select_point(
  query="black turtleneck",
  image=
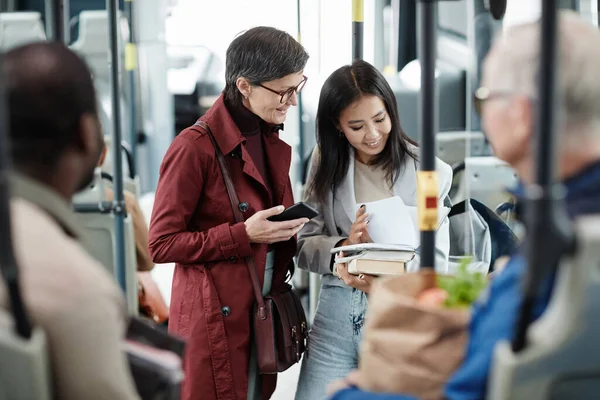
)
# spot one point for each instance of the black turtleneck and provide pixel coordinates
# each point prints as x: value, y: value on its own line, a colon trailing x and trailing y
x: 253, y: 128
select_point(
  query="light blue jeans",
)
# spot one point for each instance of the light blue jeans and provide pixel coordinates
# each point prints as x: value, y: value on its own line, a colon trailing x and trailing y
x: 334, y: 340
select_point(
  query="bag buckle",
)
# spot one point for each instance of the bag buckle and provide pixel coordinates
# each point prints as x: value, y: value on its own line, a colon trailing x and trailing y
x: 295, y: 339
x: 261, y: 313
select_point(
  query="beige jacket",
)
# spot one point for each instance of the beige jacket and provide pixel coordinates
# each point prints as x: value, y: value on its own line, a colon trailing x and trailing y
x: 69, y: 295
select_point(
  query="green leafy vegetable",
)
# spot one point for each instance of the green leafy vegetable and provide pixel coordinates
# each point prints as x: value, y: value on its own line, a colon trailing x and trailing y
x: 464, y: 288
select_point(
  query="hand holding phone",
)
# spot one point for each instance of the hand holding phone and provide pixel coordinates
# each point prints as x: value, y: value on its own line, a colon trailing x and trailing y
x: 297, y: 211
x: 261, y: 229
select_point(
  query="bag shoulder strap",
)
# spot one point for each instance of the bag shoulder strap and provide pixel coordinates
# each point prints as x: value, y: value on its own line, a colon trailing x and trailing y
x: 234, y: 200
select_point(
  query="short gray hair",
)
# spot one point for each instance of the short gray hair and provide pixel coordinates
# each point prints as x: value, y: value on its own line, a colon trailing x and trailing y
x: 514, y: 63
x: 261, y: 54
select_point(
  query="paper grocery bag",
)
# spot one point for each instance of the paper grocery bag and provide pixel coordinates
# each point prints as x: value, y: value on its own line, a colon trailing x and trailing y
x: 407, y: 347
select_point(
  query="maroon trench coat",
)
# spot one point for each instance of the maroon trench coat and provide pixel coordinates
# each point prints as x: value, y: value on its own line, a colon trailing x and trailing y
x: 193, y: 225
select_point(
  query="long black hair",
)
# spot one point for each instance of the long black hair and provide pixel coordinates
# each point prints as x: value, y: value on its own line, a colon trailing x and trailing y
x: 343, y: 87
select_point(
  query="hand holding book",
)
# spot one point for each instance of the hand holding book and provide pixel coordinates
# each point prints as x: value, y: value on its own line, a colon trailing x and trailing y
x: 361, y: 282
x: 391, y: 261
x: 373, y: 258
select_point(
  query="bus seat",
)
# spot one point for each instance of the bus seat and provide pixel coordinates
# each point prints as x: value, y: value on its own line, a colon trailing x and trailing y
x: 486, y: 179
x: 557, y: 363
x: 93, y: 41
x: 94, y: 193
x: 100, y: 237
x: 93, y: 45
x: 452, y: 146
x: 100, y: 232
x: 18, y: 28
x: 24, y: 366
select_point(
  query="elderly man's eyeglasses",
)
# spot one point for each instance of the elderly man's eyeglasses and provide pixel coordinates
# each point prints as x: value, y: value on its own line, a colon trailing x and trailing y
x: 287, y: 94
x: 484, y: 94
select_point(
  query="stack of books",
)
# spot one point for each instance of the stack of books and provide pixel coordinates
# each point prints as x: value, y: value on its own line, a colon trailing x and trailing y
x: 375, y: 258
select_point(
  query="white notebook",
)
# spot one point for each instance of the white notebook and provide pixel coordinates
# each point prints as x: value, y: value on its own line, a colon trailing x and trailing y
x: 393, y: 222
x: 375, y: 251
x: 357, y: 248
x: 378, y: 256
x: 390, y: 222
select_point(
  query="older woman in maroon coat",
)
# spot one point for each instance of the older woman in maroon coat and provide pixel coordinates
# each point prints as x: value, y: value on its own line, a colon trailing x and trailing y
x: 193, y: 224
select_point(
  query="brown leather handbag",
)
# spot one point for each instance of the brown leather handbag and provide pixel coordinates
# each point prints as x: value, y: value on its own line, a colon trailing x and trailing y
x: 280, y: 328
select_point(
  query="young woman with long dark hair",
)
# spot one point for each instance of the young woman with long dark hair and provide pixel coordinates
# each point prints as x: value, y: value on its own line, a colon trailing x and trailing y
x: 362, y: 155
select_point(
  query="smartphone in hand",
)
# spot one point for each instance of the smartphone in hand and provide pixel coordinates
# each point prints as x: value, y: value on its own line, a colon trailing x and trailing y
x: 298, y: 210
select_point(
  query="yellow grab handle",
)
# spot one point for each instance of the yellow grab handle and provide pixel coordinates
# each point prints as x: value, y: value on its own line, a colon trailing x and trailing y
x: 427, y: 200
x: 130, y: 57
x: 358, y: 10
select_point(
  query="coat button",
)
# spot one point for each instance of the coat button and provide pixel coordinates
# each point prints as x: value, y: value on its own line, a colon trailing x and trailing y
x: 339, y: 230
x: 243, y: 206
x: 232, y: 259
x: 225, y: 311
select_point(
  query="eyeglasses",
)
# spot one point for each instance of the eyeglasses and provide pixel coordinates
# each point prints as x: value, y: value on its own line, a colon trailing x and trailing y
x: 484, y: 94
x: 287, y: 94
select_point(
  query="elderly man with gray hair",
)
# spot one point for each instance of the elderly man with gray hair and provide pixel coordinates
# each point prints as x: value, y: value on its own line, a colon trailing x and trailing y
x: 507, y: 101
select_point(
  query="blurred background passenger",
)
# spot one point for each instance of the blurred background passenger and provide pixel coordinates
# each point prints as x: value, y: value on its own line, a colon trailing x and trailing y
x: 56, y: 142
x: 507, y: 100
